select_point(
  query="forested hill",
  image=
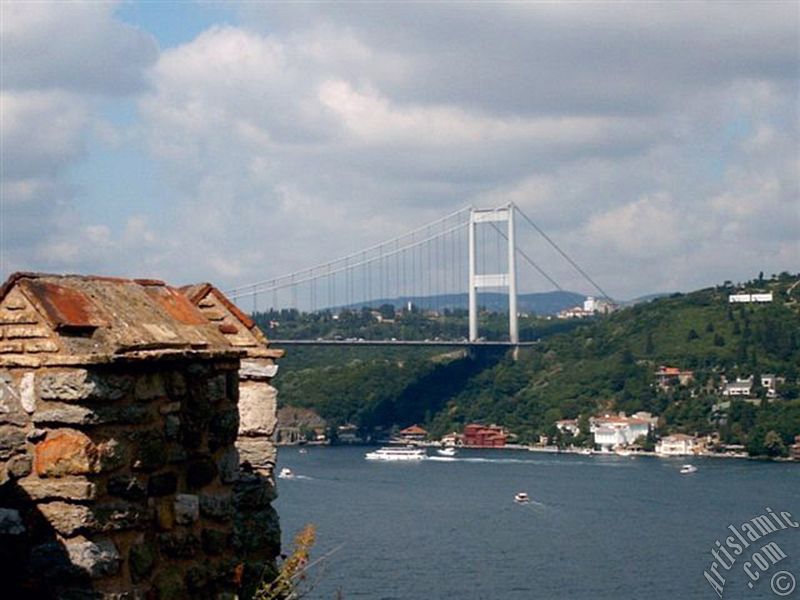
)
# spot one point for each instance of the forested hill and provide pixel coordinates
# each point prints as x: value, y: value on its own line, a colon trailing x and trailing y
x: 603, y: 364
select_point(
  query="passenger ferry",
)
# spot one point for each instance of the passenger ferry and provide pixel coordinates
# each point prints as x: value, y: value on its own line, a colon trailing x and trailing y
x: 390, y: 453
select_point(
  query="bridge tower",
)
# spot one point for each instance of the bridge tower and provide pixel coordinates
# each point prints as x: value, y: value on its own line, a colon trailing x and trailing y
x: 506, y: 280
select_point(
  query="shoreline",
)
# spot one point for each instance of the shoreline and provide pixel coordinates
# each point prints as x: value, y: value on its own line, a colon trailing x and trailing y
x: 556, y: 450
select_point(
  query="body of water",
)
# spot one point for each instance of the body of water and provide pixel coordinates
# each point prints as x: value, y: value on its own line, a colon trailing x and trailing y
x: 597, y: 528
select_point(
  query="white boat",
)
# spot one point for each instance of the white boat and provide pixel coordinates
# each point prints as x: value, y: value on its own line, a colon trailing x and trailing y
x: 286, y: 473
x: 391, y: 453
x: 622, y: 452
x: 449, y: 451
x: 521, y: 498
x: 686, y: 469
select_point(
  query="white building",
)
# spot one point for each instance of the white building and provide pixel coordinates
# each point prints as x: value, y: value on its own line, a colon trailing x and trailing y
x: 591, y: 306
x: 594, y: 305
x: 747, y: 298
x: 740, y: 387
x: 611, y: 432
x: 677, y: 444
x: 770, y: 383
x: 568, y: 425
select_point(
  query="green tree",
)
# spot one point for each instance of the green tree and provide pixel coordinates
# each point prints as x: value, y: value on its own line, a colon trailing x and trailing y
x: 773, y: 444
x: 649, y: 347
x: 647, y: 442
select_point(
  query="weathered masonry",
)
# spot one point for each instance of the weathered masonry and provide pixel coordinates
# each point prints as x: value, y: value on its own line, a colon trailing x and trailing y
x: 258, y: 414
x: 121, y: 475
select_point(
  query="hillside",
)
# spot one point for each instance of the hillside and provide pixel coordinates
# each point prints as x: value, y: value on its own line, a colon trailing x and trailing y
x: 540, y: 303
x: 604, y: 364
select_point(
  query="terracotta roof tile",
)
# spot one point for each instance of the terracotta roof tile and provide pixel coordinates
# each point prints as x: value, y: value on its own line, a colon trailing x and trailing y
x: 94, y: 315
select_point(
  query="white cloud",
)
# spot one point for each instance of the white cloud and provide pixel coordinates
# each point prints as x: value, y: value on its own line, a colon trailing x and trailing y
x: 76, y: 46
x: 658, y: 145
x: 42, y: 132
x: 58, y: 60
x: 650, y: 227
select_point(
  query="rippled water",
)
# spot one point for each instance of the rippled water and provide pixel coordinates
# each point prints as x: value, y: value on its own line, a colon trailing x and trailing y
x: 598, y: 527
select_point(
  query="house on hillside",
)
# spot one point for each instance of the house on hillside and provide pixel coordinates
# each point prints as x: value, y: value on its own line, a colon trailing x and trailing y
x: 591, y: 306
x: 749, y: 298
x: 666, y: 377
x: 740, y: 387
x: 770, y: 383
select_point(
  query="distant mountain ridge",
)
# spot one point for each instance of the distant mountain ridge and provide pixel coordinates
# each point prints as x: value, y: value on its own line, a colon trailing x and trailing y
x: 540, y: 303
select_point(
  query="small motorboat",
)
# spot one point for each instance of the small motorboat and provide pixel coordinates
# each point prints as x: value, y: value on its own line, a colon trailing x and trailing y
x: 521, y: 498
x: 302, y: 451
x: 448, y: 451
x: 686, y: 469
x: 286, y: 473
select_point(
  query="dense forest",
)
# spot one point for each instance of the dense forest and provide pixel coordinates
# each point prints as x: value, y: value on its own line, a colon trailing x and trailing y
x: 580, y: 367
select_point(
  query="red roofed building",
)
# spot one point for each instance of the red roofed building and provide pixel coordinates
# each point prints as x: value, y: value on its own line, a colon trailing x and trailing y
x: 415, y: 433
x: 483, y: 436
x: 669, y: 376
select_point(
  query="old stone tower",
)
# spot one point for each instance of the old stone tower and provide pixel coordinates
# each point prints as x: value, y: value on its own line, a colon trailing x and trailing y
x: 135, y: 441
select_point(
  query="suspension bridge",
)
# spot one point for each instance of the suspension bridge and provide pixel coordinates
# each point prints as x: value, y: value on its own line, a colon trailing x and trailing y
x: 473, y: 250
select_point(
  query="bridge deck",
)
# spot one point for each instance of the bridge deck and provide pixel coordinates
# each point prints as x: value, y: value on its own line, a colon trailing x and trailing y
x: 398, y: 343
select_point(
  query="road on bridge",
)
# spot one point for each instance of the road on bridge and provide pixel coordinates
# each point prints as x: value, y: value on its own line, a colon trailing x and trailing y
x: 359, y: 342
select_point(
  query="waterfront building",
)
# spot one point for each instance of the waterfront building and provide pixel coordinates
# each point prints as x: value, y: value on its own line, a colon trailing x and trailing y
x: 677, y: 444
x: 485, y: 436
x: 452, y: 439
x: 414, y: 433
x: 348, y: 434
x: 618, y: 431
x: 794, y: 449
x: 568, y: 425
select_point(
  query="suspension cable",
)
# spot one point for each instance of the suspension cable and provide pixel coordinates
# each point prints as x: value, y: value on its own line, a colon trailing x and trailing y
x: 562, y: 253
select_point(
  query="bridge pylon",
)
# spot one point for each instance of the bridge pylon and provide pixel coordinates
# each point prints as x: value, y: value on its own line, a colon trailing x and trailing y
x: 508, y: 280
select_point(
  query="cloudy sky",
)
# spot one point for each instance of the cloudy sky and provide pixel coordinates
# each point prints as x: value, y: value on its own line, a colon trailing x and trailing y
x: 659, y: 144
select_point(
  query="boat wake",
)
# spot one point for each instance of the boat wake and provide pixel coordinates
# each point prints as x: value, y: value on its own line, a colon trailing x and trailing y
x: 297, y: 478
x: 499, y: 461
x: 534, y: 503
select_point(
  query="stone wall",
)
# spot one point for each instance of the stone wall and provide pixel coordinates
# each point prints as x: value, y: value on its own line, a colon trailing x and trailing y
x: 123, y: 480
x: 258, y: 415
